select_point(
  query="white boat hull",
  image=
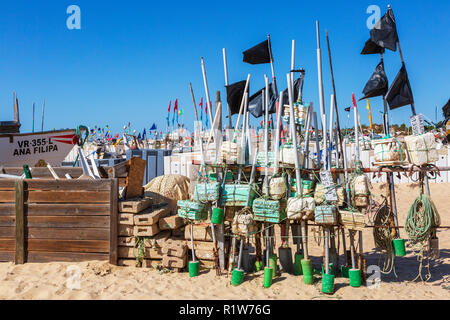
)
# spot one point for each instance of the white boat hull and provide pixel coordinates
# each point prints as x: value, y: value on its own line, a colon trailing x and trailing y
x: 52, y: 147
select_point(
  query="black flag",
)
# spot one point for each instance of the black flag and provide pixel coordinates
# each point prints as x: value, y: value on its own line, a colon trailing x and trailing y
x: 372, y: 48
x: 259, y: 54
x: 378, y: 83
x: 298, y: 85
x: 255, y: 106
x: 235, y: 93
x: 384, y: 34
x: 348, y: 109
x: 446, y: 109
x: 400, y: 93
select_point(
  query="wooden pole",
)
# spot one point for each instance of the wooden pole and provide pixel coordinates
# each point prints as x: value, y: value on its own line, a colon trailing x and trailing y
x: 34, y: 106
x: 20, y: 222
x: 338, y: 126
x: 202, y: 156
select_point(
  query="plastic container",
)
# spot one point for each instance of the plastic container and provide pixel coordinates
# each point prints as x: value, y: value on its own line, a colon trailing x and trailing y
x: 268, y: 277
x: 328, y: 283
x: 217, y: 216
x: 298, y: 264
x: 355, y: 278
x: 237, y: 278
x: 194, y: 268
x: 307, y: 272
x: 399, y: 247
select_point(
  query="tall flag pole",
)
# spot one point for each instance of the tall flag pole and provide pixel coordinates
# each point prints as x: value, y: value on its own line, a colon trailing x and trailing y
x: 205, y: 81
x: 34, y: 105
x: 43, y: 112
x: 370, y: 115
x: 225, y: 67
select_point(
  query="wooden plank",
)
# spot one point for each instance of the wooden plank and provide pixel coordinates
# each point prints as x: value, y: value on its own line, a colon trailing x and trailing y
x: 118, y: 171
x: 69, y: 222
x: 7, y: 232
x: 171, y: 223
x: 114, y: 225
x: 56, y: 209
x: 126, y: 218
x: 127, y: 242
x: 149, y: 253
x: 67, y: 197
x: 8, y: 184
x: 68, y: 185
x: 68, y: 233
x: 80, y: 246
x: 8, y: 244
x: 7, y: 256
x: 20, y: 223
x: 45, y: 257
x: 7, y: 196
x: 7, y: 221
x: 135, y: 205
x: 135, y: 178
x: 151, y: 218
x: 146, y: 231
x: 158, y: 240
x: 43, y: 173
x: 7, y: 209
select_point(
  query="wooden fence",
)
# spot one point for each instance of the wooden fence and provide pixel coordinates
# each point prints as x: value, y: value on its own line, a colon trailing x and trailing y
x: 58, y: 220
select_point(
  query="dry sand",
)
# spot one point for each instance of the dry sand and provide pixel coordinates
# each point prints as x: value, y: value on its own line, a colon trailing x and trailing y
x: 99, y: 280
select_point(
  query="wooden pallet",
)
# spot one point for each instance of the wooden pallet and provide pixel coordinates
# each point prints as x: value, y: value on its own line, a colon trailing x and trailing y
x: 135, y: 205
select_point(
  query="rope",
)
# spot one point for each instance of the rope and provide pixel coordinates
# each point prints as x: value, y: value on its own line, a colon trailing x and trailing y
x: 422, y: 218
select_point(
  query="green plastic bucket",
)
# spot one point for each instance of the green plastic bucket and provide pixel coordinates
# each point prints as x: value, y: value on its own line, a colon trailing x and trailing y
x: 237, y: 278
x: 298, y: 264
x: 307, y: 272
x: 258, y: 265
x: 399, y: 247
x: 217, y: 216
x: 194, y: 268
x: 355, y: 278
x: 344, y: 271
x: 328, y: 283
x: 268, y: 277
x: 273, y: 259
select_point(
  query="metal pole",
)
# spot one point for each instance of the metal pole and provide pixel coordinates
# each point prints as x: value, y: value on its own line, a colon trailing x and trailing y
x: 208, y: 100
x: 266, y: 132
x: 274, y: 79
x: 225, y: 67
x: 43, y: 112
x: 316, y: 132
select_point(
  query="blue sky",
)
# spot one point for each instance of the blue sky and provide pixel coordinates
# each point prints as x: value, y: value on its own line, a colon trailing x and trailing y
x: 132, y: 57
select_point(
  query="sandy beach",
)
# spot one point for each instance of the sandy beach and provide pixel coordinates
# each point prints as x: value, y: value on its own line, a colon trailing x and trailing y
x: 99, y: 280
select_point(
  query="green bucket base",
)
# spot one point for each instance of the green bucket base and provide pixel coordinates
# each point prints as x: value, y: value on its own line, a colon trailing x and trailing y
x: 307, y: 269
x: 344, y: 271
x: 267, y: 277
x: 259, y: 265
x: 273, y: 259
x: 298, y: 264
x: 328, y: 283
x: 355, y: 278
x: 399, y: 247
x: 194, y: 268
x: 217, y: 216
x: 237, y: 278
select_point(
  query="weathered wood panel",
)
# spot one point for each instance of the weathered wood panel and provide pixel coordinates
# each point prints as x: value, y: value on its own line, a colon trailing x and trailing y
x: 44, y: 257
x: 8, y: 232
x: 81, y: 246
x: 67, y: 197
x: 67, y: 185
x: 79, y: 209
x: 68, y: 233
x: 68, y: 222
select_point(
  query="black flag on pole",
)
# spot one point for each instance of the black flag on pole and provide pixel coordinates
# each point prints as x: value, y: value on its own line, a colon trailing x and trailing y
x: 446, y: 109
x: 377, y: 84
x: 255, y: 106
x: 384, y: 33
x: 400, y: 93
x: 235, y: 93
x: 259, y: 54
x: 297, y: 87
x: 372, y: 48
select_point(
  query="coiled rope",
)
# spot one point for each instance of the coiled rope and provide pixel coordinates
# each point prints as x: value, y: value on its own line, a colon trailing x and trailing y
x: 421, y: 221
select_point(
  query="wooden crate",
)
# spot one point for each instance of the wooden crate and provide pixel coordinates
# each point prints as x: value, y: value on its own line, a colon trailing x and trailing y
x: 146, y: 231
x: 149, y: 253
x: 202, y: 232
x: 171, y: 223
x: 66, y: 220
x: 151, y: 216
